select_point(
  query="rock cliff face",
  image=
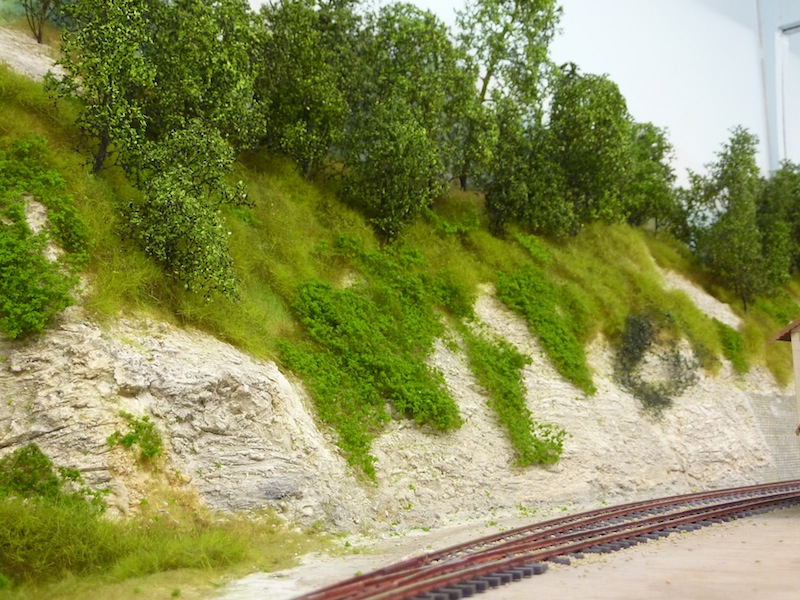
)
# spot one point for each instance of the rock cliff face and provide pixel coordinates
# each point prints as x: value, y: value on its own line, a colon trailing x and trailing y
x: 235, y: 429
x: 242, y: 436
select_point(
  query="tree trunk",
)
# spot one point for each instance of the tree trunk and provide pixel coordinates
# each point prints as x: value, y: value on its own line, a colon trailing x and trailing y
x: 102, y: 152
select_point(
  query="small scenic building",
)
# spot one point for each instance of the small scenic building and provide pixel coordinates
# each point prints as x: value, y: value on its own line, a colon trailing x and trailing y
x: 791, y: 333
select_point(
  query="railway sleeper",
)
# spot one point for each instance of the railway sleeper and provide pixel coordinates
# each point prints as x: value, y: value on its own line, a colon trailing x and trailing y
x: 448, y: 593
x: 437, y: 596
x: 618, y: 545
x: 531, y: 569
x: 481, y: 584
x: 493, y: 581
x: 505, y: 577
x: 452, y: 593
x: 599, y: 549
x: 524, y: 571
x: 467, y: 588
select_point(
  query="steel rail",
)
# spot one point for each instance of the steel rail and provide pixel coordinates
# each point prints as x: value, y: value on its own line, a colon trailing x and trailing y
x: 529, y: 543
x: 502, y: 559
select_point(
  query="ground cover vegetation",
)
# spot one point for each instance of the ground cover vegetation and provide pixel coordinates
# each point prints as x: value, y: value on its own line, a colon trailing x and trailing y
x: 53, y: 529
x: 34, y: 288
x: 497, y: 366
x: 330, y: 186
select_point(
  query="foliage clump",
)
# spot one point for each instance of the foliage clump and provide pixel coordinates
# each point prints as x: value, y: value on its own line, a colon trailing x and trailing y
x: 592, y: 129
x: 52, y: 527
x: 143, y: 433
x: 299, y: 90
x: 173, y: 129
x: 367, y: 344
x: 50, y: 521
x: 33, y: 288
x: 30, y: 473
x: 395, y: 171
x: 554, y: 316
x: 733, y: 347
x: 496, y: 365
x: 737, y: 224
x: 178, y: 221
x: 643, y: 332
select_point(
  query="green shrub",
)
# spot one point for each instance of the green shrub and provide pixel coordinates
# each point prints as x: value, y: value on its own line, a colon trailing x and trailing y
x: 178, y: 221
x: 50, y: 521
x: 733, y: 347
x: 496, y: 365
x: 367, y: 345
x: 539, y: 253
x: 25, y: 169
x: 143, y: 433
x: 554, y: 315
x: 29, y: 473
x: 33, y: 289
x: 462, y: 218
x: 394, y: 170
x: 51, y: 526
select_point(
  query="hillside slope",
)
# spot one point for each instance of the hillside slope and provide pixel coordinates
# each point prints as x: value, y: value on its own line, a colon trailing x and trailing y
x: 240, y: 435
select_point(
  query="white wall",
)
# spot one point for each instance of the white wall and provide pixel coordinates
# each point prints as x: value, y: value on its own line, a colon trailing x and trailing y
x: 791, y: 96
x: 679, y: 63
x: 779, y: 29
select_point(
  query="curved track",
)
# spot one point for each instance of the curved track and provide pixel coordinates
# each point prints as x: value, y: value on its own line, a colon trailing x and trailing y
x: 467, y: 569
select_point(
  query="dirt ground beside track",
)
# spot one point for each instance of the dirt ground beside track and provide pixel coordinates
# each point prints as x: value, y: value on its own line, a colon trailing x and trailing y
x: 756, y: 558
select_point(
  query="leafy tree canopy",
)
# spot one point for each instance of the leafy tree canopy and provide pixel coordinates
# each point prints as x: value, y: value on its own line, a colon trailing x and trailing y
x: 105, y: 62
x: 727, y: 237
x: 409, y: 53
x: 591, y: 131
x: 203, y: 54
x: 649, y: 193
x: 299, y: 86
x: 178, y: 221
x: 505, y: 44
x: 394, y: 169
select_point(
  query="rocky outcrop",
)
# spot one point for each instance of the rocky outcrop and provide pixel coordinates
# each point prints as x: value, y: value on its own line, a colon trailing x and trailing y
x: 236, y: 430
x: 242, y: 436
x: 715, y: 435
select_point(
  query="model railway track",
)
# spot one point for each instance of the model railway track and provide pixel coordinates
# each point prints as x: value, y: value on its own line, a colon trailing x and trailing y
x: 467, y: 569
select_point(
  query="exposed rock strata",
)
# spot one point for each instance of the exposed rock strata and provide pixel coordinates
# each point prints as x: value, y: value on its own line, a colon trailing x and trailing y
x: 241, y: 434
x: 235, y: 429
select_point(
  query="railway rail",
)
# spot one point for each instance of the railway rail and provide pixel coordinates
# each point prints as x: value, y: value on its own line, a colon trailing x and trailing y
x: 468, y: 569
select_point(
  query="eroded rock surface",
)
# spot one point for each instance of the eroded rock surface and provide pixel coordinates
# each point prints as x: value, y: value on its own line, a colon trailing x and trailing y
x: 235, y: 429
x: 242, y: 436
